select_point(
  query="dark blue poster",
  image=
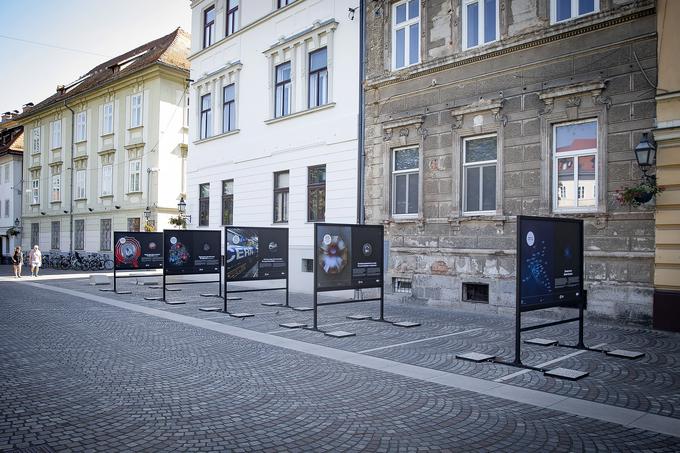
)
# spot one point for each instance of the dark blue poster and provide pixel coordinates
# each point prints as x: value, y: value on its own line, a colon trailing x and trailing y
x: 191, y: 252
x: 256, y: 253
x: 549, y: 262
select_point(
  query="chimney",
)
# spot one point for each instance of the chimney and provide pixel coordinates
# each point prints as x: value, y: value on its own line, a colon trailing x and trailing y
x: 26, y: 107
x: 61, y: 89
x: 6, y: 116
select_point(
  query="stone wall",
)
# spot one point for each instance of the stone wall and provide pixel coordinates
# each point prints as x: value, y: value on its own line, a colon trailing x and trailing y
x: 535, y: 76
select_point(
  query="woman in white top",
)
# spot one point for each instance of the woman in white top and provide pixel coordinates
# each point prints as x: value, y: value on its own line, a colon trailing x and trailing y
x: 35, y: 258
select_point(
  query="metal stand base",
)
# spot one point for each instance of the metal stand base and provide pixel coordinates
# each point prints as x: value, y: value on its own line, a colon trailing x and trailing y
x: 153, y: 297
x: 210, y: 308
x: 175, y: 302
x: 339, y: 334
x: 106, y: 290
x: 156, y: 287
x: 566, y: 373
x: 359, y: 317
x: 241, y: 315
x: 174, y: 290
x: 292, y: 325
x: 123, y: 292
x: 406, y: 324
x: 272, y: 304
x: 303, y: 308
x: 210, y: 295
x: 476, y: 357
x: 626, y: 354
x: 541, y: 342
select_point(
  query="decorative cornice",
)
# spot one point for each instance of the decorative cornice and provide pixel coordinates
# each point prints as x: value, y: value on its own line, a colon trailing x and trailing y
x: 403, y: 124
x: 514, y: 48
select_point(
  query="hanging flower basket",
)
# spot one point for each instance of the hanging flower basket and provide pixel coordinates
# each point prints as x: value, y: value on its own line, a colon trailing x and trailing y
x: 640, y: 194
x: 149, y: 227
x: 178, y: 221
x: 13, y: 231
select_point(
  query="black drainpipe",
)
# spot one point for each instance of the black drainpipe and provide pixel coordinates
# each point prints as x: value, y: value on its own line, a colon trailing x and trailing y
x: 73, y: 144
x: 361, y: 154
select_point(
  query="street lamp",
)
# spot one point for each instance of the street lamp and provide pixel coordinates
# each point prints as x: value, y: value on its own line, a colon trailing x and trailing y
x: 17, y: 222
x: 645, y: 153
x: 147, y: 214
x: 182, y: 209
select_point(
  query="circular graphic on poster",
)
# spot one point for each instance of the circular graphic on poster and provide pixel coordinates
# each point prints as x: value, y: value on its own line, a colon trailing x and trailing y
x: 333, y: 254
x: 530, y: 238
x: 206, y: 246
x: 152, y: 246
x: 178, y: 256
x: 367, y: 249
x: 128, y: 250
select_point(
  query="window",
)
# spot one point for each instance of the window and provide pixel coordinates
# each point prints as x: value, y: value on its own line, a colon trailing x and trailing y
x: 107, y: 180
x: 562, y: 10
x: 105, y: 234
x: 405, y: 176
x: 81, y: 126
x: 6, y: 208
x: 575, y: 166
x: 107, y: 120
x: 232, y: 16
x: 35, y: 142
x: 136, y: 107
x: 307, y: 265
x: 56, y: 232
x: 476, y: 292
x: 283, y: 3
x: 316, y: 193
x: 7, y: 176
x: 133, y: 224
x: 81, y: 184
x: 56, y: 135
x: 135, y: 183
x: 283, y: 86
x: 206, y: 117
x: 35, y: 234
x: 229, y: 108
x: 35, y: 190
x: 480, y: 22
x: 281, y: 197
x: 228, y: 202
x: 56, y: 188
x: 479, y: 174
x: 204, y: 204
x: 405, y: 33
x: 208, y: 27
x: 79, y: 234
x: 318, y: 78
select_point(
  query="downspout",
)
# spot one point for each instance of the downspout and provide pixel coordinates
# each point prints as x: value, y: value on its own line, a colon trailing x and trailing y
x: 361, y: 154
x: 73, y: 144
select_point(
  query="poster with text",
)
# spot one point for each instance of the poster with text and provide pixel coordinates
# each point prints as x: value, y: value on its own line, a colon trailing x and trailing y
x: 254, y: 253
x: 348, y: 256
x: 192, y: 252
x: 135, y: 250
x: 549, y: 262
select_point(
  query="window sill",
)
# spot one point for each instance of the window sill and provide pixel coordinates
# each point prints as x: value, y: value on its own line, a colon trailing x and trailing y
x: 35, y: 204
x: 576, y: 211
x: 136, y: 192
x: 106, y: 151
x: 55, y: 202
x: 106, y: 196
x: 215, y: 137
x: 405, y: 218
x: 58, y: 148
x: 107, y: 135
x: 132, y: 128
x: 479, y: 214
x: 80, y: 199
x: 301, y: 113
x: 78, y: 142
x: 403, y: 68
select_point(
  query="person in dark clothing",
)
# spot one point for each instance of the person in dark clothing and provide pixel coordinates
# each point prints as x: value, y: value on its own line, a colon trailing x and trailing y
x: 17, y: 261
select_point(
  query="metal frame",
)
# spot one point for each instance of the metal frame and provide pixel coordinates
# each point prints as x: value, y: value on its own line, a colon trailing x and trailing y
x: 254, y: 290
x: 315, y: 326
x: 113, y: 250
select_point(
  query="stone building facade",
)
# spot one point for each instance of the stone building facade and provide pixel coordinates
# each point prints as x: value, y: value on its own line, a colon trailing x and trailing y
x: 481, y: 110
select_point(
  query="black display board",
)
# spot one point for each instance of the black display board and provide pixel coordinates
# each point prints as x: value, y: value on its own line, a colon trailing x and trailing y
x: 549, y: 262
x: 137, y: 250
x: 192, y: 252
x: 348, y: 256
x: 256, y: 253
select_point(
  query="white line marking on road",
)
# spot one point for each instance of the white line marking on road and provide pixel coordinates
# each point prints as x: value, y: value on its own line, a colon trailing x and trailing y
x: 549, y: 362
x: 419, y: 341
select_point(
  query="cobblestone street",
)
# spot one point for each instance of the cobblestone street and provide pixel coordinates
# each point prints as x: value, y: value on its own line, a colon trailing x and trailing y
x: 89, y: 370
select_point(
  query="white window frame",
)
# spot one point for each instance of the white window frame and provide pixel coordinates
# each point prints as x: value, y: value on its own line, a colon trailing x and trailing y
x: 81, y: 184
x: 7, y: 207
x: 480, y: 25
x: 35, y: 191
x: 393, y: 185
x: 574, y: 155
x: 55, y: 194
x: 81, y: 126
x: 8, y: 178
x: 480, y: 164
x: 407, y: 42
x: 56, y: 134
x: 135, y: 176
x: 107, y: 118
x: 136, y: 109
x: 574, y: 9
x: 107, y: 180
x: 35, y: 140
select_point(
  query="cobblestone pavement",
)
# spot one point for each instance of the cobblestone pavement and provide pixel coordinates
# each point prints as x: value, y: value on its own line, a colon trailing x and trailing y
x: 79, y: 375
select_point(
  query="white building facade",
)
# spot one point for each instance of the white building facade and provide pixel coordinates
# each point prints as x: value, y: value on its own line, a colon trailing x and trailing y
x: 273, y: 119
x: 11, y: 155
x: 108, y: 151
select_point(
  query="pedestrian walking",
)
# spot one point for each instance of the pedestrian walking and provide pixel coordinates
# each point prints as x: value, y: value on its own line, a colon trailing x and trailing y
x: 17, y: 261
x: 35, y: 258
